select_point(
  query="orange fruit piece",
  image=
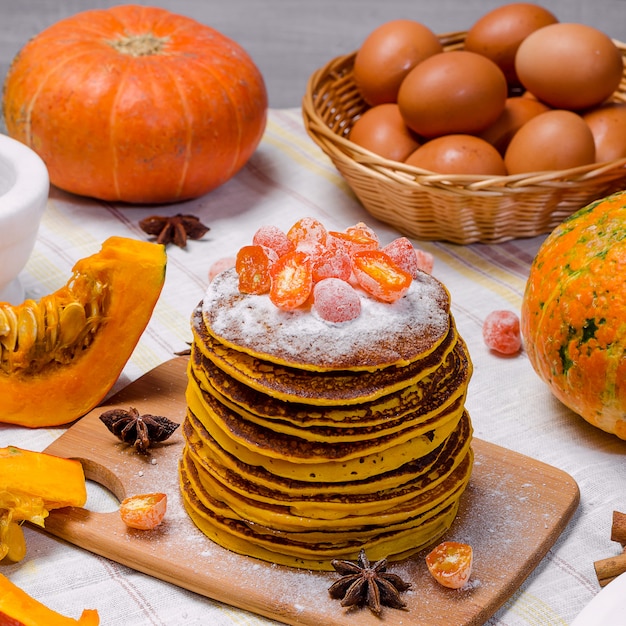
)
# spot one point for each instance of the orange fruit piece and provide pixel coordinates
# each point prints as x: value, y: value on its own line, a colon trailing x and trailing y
x: 377, y: 274
x: 329, y: 263
x: 144, y: 511
x: 252, y: 264
x: 307, y: 232
x: 273, y: 237
x: 501, y: 332
x: 402, y: 253
x: 336, y: 300
x: 357, y: 237
x: 218, y: 266
x: 292, y: 280
x: 450, y: 563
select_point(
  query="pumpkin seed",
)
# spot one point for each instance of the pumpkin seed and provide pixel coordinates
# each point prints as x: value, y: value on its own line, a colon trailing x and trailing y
x: 72, y: 321
x: 51, y: 323
x: 8, y: 340
x: 5, y: 327
x: 14, y: 543
x: 35, y: 333
x: 26, y: 326
x: 92, y: 310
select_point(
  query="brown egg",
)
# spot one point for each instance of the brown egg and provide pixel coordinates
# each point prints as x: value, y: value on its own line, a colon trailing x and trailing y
x: 386, y: 56
x: 382, y: 130
x: 458, y: 154
x: 608, y: 126
x: 556, y: 140
x: 569, y: 66
x: 452, y: 92
x: 517, y: 111
x: 498, y: 34
x: 529, y: 95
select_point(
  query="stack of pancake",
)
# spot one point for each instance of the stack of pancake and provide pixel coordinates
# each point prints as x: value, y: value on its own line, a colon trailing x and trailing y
x: 306, y: 441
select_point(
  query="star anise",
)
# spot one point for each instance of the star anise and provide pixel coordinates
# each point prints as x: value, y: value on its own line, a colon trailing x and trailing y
x: 176, y: 229
x: 141, y: 431
x: 362, y: 583
x: 185, y: 351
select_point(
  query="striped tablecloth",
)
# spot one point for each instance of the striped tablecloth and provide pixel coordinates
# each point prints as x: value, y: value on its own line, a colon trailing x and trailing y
x: 286, y: 179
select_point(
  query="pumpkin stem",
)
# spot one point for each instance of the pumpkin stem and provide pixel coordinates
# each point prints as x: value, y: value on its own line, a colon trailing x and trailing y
x: 139, y: 45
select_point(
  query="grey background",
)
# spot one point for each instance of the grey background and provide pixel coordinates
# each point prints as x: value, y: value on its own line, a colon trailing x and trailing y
x: 289, y: 39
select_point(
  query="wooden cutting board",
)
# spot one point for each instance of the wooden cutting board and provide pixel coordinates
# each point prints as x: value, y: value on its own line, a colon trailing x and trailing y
x: 512, y: 512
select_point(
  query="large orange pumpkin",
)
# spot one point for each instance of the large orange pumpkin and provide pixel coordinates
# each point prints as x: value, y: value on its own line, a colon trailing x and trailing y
x: 573, y: 316
x: 136, y: 104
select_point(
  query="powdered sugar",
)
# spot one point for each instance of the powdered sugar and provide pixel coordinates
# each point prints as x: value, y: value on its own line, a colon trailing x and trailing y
x: 388, y: 332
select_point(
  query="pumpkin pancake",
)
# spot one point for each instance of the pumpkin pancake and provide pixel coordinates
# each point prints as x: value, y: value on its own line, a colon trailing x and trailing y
x: 308, y: 440
x: 384, y: 334
x: 255, y: 481
x: 375, y: 495
x: 280, y: 523
x: 280, y: 518
x: 439, y: 388
x: 308, y: 463
x: 317, y: 388
x: 422, y: 419
x: 240, y: 536
x: 289, y: 442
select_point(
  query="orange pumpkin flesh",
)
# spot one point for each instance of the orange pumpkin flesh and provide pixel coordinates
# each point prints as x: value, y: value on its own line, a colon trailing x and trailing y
x: 56, y: 481
x: 61, y: 355
x: 17, y: 608
x: 32, y: 484
x: 136, y: 104
x: 573, y: 314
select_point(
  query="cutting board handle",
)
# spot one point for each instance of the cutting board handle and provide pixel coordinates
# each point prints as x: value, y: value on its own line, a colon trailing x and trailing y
x: 102, y: 475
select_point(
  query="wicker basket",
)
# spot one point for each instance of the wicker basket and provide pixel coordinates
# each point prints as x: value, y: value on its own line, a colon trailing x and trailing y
x: 458, y: 209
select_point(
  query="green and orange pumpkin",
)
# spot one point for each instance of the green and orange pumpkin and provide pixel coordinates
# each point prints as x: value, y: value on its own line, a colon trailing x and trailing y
x: 573, y: 316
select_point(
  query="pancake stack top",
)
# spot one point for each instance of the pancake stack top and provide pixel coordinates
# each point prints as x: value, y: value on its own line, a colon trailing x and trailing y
x: 306, y: 441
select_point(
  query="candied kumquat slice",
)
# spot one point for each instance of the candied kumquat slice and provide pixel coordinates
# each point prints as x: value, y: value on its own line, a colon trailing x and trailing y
x: 331, y: 263
x: 363, y: 232
x: 336, y: 300
x: 274, y: 238
x: 253, y: 265
x: 355, y: 238
x: 144, y: 511
x: 291, y: 280
x: 377, y: 274
x: 501, y: 332
x: 450, y: 564
x: 402, y: 253
x: 306, y: 232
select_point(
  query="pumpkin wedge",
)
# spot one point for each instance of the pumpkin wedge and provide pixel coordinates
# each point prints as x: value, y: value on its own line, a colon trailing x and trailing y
x: 57, y: 481
x: 59, y: 356
x: 31, y: 485
x: 17, y: 608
